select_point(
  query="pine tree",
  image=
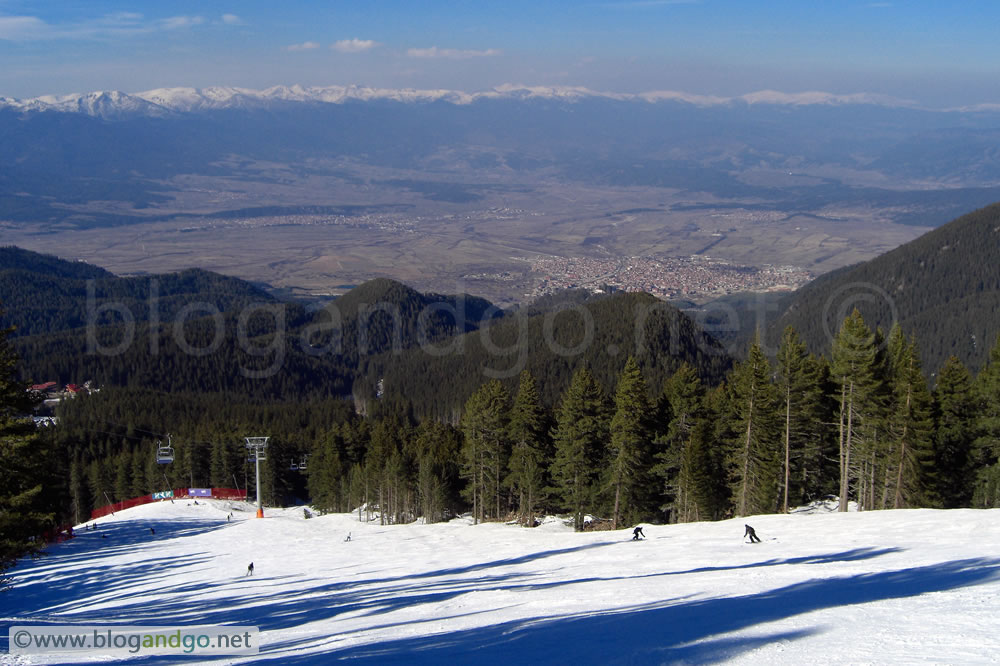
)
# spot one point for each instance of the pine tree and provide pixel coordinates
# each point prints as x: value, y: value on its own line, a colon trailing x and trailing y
x: 24, y: 513
x: 800, y: 393
x: 681, y: 410
x: 630, y: 445
x: 954, y: 434
x: 986, y: 450
x: 754, y: 459
x: 438, y: 450
x: 910, y: 428
x: 484, y: 424
x: 79, y: 503
x: 123, y: 466
x: 138, y: 485
x: 580, y: 438
x: 527, y: 433
x: 854, y: 373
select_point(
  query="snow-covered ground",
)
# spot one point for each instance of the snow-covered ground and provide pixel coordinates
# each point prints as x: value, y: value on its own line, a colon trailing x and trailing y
x: 899, y: 587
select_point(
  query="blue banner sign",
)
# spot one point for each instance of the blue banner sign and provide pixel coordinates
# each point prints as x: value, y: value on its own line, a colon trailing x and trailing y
x: 200, y: 492
x: 165, y: 494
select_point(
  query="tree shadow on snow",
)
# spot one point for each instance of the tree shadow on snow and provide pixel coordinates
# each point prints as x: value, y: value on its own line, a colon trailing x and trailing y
x: 669, y: 630
x: 665, y: 632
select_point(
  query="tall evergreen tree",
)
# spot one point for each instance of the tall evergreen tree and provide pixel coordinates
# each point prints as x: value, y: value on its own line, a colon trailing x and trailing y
x: 754, y: 459
x: 910, y: 429
x: 800, y: 394
x: 484, y: 424
x: 527, y: 433
x: 25, y: 466
x: 854, y: 373
x: 580, y: 437
x: 682, y: 409
x: 438, y: 452
x: 986, y: 450
x: 954, y: 434
x: 630, y: 448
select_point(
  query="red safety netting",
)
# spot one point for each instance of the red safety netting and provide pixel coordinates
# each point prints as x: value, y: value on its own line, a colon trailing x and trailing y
x: 179, y: 493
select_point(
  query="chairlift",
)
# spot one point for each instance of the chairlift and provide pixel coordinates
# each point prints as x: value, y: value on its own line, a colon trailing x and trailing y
x: 302, y: 463
x: 294, y: 466
x: 164, y: 454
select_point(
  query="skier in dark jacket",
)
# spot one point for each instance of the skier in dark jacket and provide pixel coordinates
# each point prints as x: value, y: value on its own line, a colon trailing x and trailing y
x: 753, y: 535
x: 250, y: 569
x: 637, y: 534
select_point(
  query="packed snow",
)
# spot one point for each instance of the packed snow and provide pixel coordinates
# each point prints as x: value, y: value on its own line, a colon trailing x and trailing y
x: 911, y: 586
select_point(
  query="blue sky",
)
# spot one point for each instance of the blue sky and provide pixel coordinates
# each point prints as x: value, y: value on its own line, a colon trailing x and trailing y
x: 938, y: 54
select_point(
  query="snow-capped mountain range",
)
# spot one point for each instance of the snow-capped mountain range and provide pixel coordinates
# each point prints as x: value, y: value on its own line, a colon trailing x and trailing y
x: 165, y: 101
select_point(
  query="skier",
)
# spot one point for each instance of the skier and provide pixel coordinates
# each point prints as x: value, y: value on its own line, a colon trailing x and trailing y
x: 637, y: 534
x: 752, y: 534
x: 250, y: 570
x: 348, y: 537
x: 152, y: 531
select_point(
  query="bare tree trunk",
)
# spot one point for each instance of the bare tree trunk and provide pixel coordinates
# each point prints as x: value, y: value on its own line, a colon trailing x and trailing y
x: 898, y: 501
x: 845, y: 451
x: 746, y: 458
x: 788, y: 445
x: 618, y: 492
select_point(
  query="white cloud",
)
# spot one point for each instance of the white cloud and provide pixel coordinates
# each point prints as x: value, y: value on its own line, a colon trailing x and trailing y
x: 232, y: 19
x: 18, y: 28
x: 304, y: 46
x: 353, y: 45
x: 113, y: 25
x: 453, y: 54
x: 175, y: 22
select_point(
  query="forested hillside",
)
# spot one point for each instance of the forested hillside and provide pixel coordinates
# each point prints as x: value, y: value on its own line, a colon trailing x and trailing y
x: 203, y: 332
x: 43, y: 294
x: 616, y: 407
x: 943, y: 288
x: 551, y: 344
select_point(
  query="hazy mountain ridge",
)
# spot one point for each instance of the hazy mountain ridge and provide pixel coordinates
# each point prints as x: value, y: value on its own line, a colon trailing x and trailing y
x: 113, y: 104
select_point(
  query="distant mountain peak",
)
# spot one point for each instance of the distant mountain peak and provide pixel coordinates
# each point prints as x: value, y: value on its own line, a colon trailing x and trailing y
x: 114, y: 104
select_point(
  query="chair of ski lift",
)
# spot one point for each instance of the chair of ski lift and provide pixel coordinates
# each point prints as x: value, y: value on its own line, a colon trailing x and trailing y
x: 302, y: 463
x: 294, y: 466
x: 164, y: 454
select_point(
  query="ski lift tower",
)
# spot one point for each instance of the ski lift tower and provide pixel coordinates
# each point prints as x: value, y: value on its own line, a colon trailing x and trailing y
x: 256, y: 448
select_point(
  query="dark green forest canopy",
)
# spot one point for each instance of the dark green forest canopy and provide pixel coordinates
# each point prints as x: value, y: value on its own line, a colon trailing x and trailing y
x: 599, y: 334
x: 943, y: 288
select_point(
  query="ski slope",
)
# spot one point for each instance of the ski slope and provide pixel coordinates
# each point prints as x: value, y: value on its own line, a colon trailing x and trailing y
x: 900, y: 587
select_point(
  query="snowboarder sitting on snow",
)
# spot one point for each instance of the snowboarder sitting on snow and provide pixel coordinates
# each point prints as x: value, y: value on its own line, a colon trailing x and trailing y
x: 753, y: 535
x: 637, y: 534
x: 250, y: 569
